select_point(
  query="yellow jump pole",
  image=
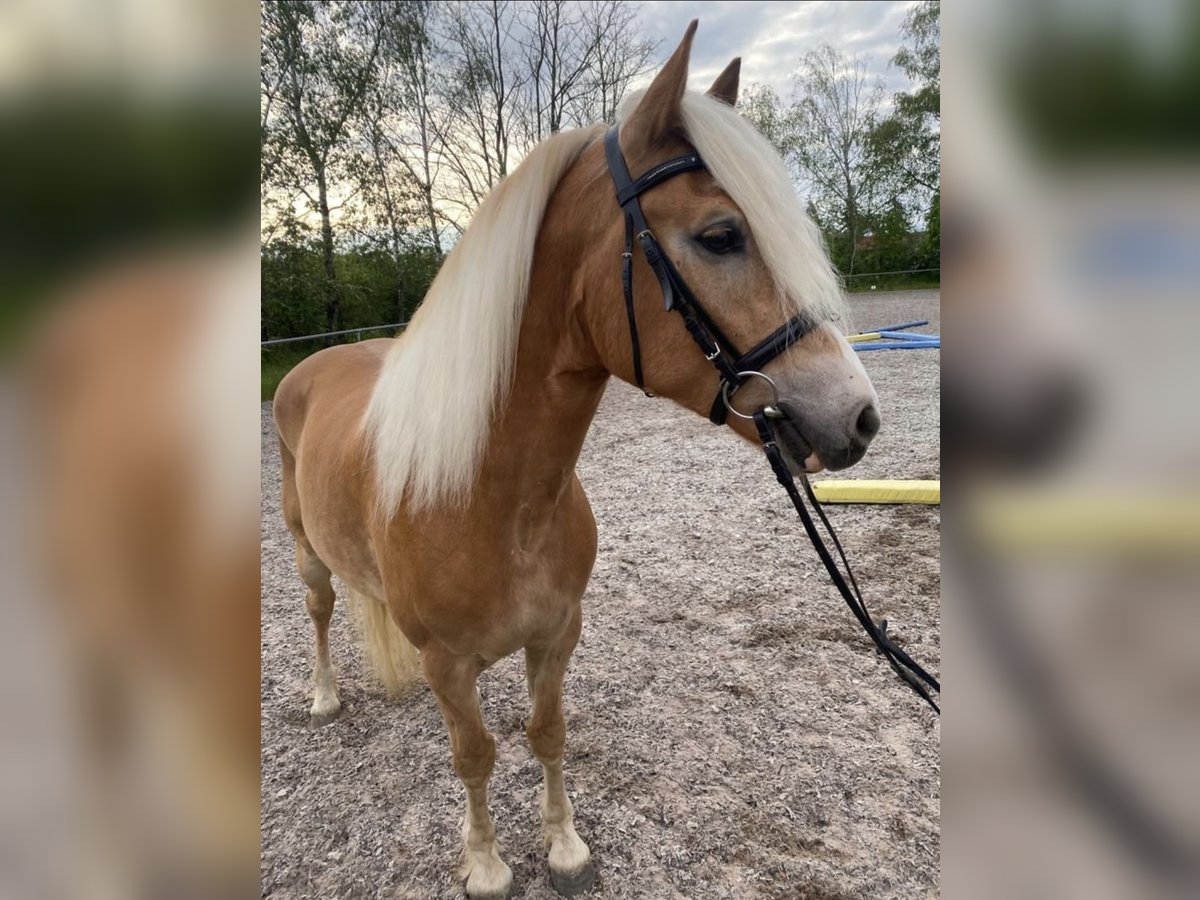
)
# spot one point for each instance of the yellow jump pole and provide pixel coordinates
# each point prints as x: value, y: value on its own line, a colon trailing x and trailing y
x: 833, y: 491
x: 869, y: 336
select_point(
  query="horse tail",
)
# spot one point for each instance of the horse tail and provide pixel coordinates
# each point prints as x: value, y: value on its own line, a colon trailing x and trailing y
x: 395, y: 661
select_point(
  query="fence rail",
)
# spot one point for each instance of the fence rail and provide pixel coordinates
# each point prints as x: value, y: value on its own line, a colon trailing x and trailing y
x: 327, y: 334
x: 897, y: 272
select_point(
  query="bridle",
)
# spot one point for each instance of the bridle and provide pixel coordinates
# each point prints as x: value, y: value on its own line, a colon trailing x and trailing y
x: 735, y: 369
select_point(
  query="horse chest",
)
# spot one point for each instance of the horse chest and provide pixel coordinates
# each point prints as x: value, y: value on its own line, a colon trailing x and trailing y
x: 514, y: 577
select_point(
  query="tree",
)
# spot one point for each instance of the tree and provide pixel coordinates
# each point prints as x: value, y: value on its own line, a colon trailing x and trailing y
x: 410, y: 43
x: 617, y: 58
x: 557, y: 53
x: 909, y: 140
x: 580, y: 59
x: 385, y: 124
x: 835, y: 109
x: 480, y: 91
x: 512, y: 74
x: 932, y: 246
x: 319, y: 59
x: 779, y: 124
x: 891, y: 245
x: 391, y: 162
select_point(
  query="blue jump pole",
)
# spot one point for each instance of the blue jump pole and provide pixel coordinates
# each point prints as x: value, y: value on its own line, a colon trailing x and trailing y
x: 908, y: 336
x: 903, y: 326
x: 897, y: 345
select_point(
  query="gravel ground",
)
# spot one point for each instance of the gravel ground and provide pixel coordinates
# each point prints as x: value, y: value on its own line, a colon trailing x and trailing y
x: 731, y: 732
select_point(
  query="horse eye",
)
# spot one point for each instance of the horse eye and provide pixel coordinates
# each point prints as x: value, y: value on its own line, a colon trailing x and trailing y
x: 720, y: 239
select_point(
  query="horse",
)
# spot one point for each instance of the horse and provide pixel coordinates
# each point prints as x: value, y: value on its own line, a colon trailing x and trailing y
x: 434, y: 473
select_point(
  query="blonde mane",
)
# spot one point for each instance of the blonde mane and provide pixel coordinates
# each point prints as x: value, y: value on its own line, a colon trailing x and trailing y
x: 750, y: 170
x: 431, y: 409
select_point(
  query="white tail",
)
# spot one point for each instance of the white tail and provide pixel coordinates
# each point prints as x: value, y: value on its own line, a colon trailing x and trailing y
x: 395, y: 662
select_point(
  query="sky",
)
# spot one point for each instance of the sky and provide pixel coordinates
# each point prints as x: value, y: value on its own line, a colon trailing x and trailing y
x: 771, y: 37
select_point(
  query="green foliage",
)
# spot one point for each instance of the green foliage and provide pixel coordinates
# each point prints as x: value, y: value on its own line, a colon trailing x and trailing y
x: 908, y: 142
x: 292, y: 300
x: 376, y: 288
x: 778, y: 123
x: 891, y: 246
x: 932, y: 245
x: 921, y: 58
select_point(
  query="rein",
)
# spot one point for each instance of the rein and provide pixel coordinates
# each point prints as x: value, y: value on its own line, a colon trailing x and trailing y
x: 734, y: 372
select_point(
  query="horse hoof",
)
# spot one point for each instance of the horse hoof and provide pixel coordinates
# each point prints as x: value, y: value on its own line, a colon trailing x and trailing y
x: 571, y: 884
x: 489, y: 893
x: 320, y: 720
x: 489, y: 879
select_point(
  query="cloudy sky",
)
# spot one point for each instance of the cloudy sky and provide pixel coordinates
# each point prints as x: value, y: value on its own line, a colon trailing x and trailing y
x: 771, y: 37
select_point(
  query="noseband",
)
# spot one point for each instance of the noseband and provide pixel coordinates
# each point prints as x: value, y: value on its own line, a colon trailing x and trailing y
x: 735, y: 369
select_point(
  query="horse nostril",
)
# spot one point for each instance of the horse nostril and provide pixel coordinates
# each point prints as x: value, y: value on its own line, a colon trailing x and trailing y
x: 867, y: 425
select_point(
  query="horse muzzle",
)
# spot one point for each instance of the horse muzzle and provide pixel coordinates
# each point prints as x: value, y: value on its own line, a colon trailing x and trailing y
x: 811, y: 443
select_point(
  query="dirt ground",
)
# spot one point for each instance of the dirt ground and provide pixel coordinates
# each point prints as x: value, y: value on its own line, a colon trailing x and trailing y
x: 731, y: 732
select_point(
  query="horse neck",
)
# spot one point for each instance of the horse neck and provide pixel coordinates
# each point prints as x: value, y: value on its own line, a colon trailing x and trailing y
x: 557, y: 380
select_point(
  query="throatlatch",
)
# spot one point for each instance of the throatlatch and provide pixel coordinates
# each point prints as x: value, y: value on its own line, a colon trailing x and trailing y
x: 734, y: 369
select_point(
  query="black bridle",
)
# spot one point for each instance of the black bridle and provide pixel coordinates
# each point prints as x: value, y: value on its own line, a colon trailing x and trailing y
x: 735, y: 369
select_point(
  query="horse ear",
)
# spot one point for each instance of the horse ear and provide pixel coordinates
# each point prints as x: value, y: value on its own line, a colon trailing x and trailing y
x: 725, y: 88
x: 658, y: 112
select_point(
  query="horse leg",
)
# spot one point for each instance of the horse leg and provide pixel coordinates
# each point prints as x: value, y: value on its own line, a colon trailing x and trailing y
x: 319, y: 601
x: 319, y: 598
x: 569, y: 857
x: 452, y: 680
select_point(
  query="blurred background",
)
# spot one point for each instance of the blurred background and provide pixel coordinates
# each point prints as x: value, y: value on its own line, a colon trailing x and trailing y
x: 1072, y: 242
x: 129, y: 420
x: 130, y: 137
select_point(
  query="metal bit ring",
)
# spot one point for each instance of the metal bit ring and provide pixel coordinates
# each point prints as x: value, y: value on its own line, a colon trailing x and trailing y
x: 771, y: 410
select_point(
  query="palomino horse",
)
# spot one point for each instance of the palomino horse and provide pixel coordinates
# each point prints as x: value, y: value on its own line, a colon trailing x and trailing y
x: 435, y: 474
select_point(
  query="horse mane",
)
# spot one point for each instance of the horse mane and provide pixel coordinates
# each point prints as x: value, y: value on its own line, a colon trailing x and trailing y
x: 431, y: 408
x: 750, y: 170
